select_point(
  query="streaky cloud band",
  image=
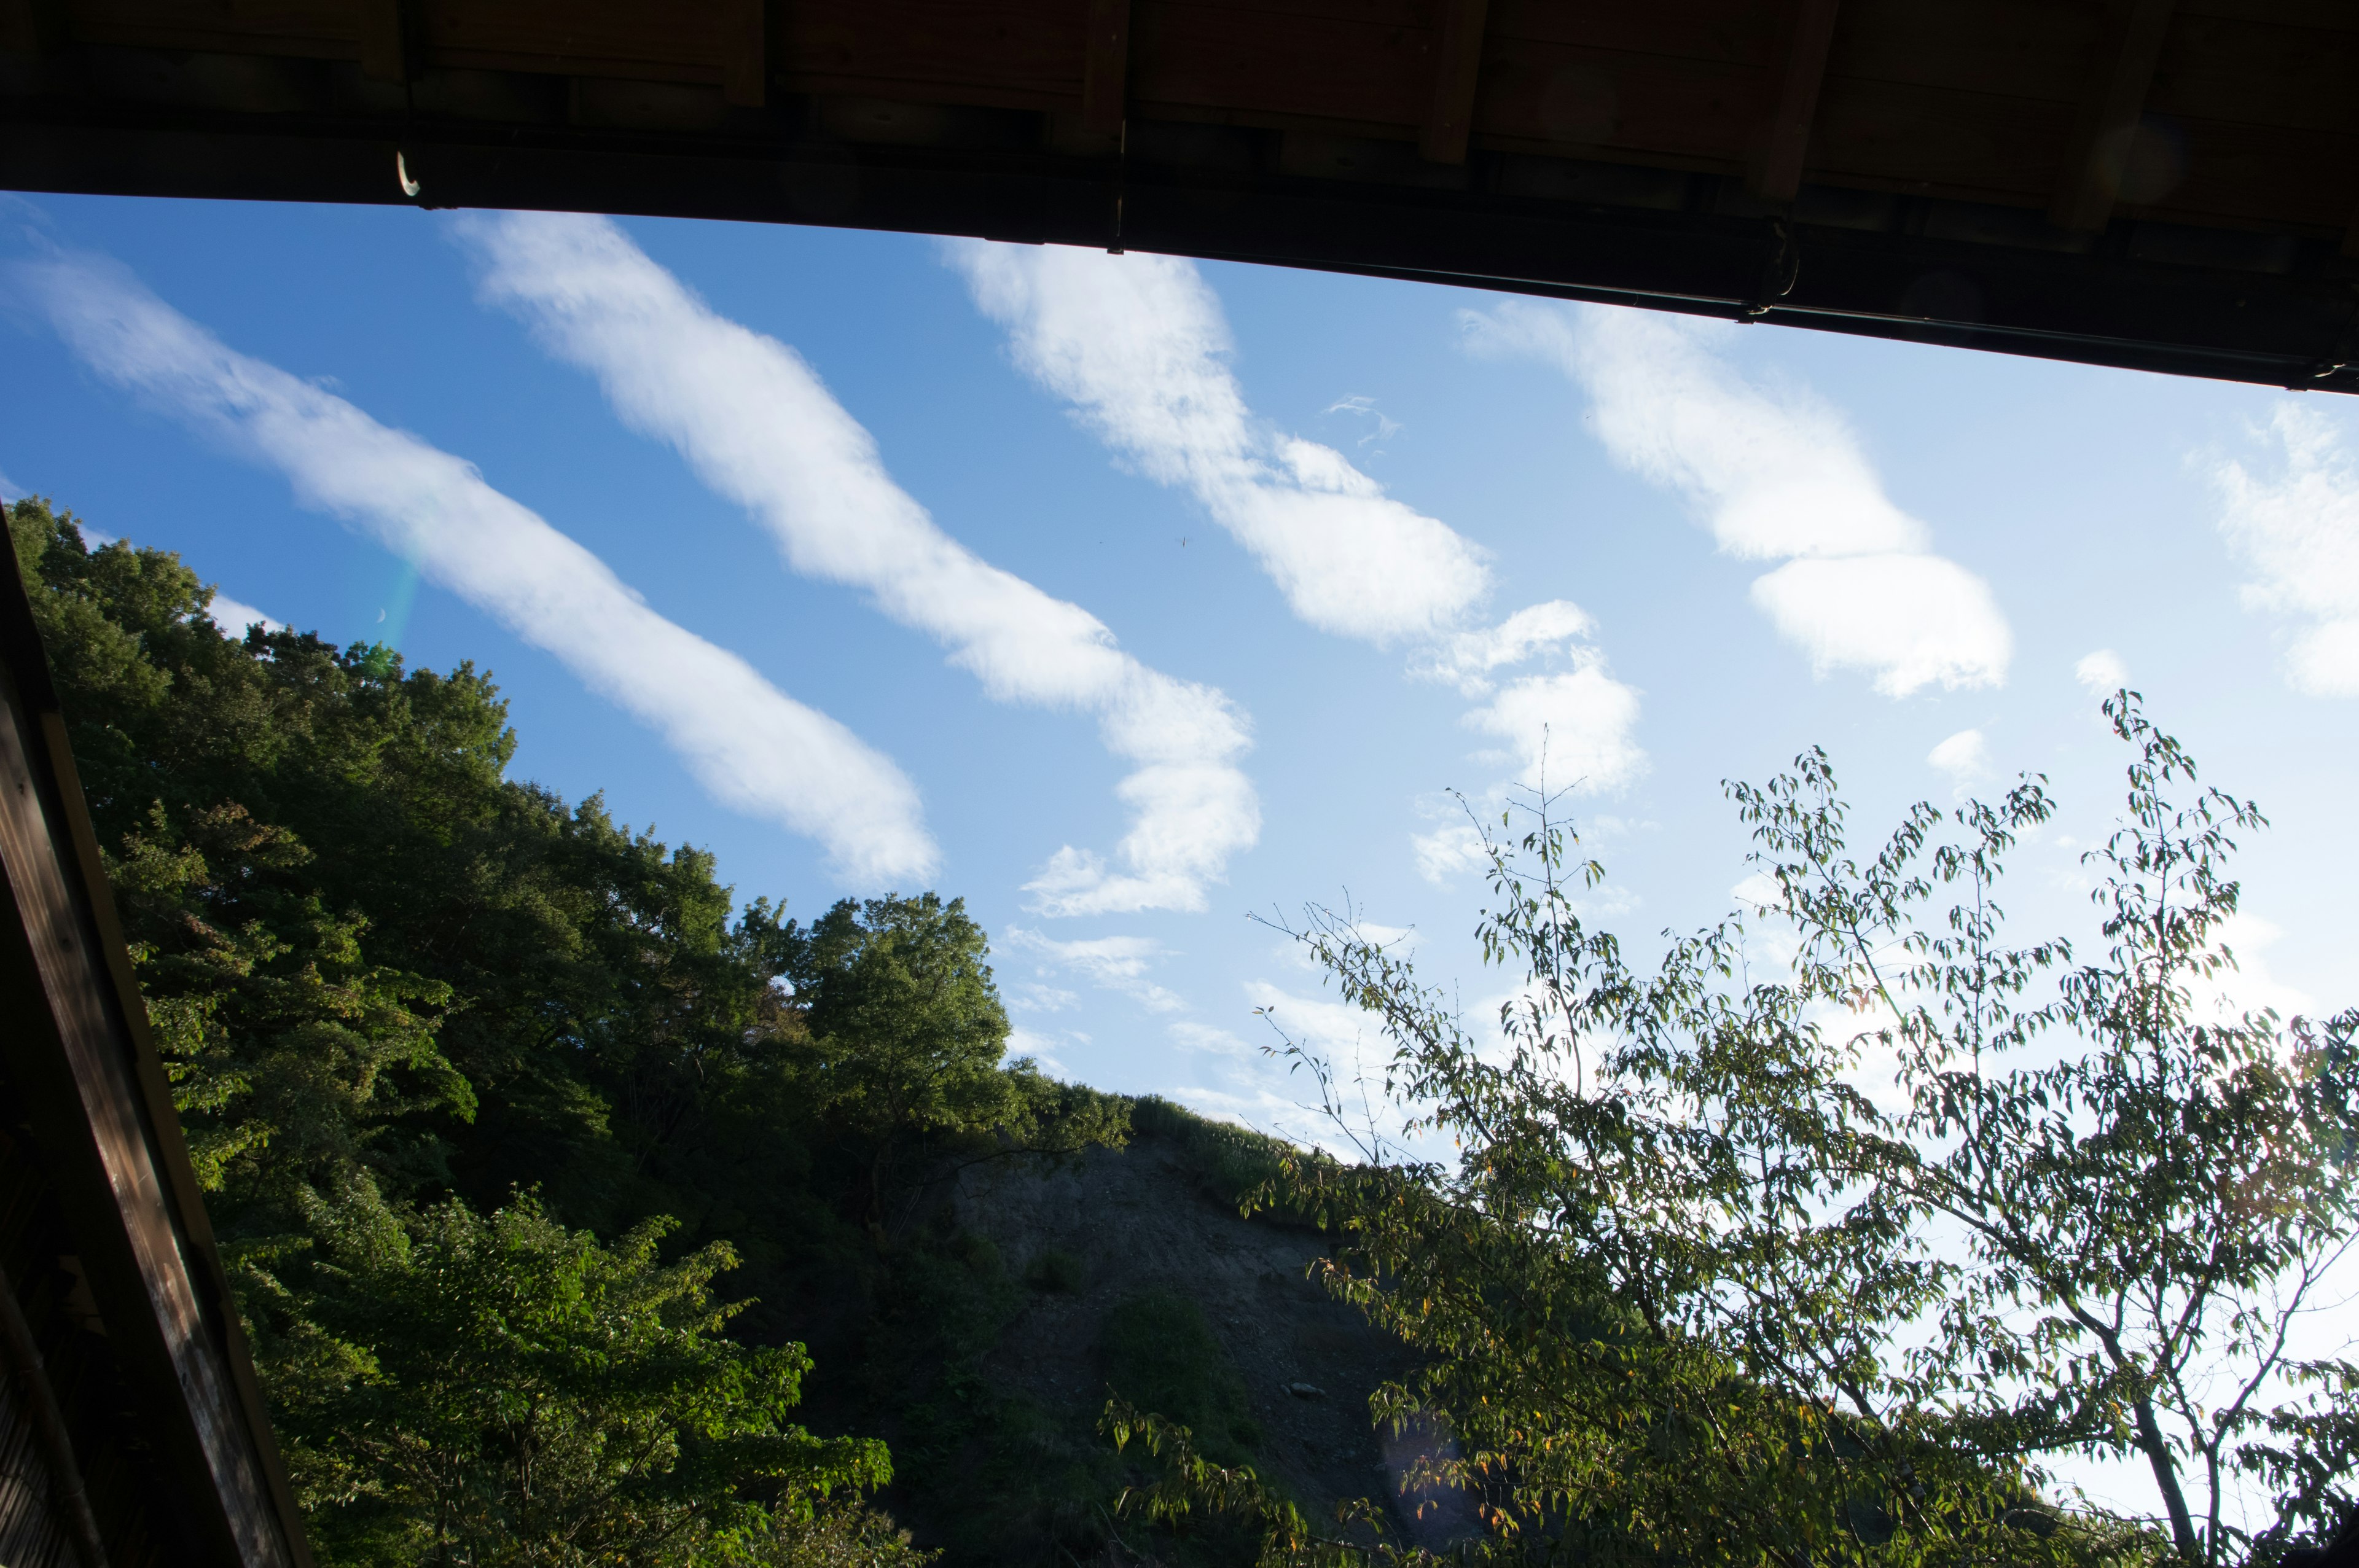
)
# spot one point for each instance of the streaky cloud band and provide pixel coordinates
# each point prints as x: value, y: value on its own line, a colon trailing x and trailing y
x: 756, y: 424
x: 1774, y: 475
x: 754, y: 748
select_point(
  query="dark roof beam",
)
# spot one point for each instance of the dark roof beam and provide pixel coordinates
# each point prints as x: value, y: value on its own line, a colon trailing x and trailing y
x: 2111, y: 105
x: 1105, y: 66
x: 745, y: 53
x: 1774, y: 170
x: 1457, y: 71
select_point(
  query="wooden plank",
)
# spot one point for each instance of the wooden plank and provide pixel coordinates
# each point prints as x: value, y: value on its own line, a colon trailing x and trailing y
x: 601, y: 37
x: 1105, y: 66
x: 1274, y: 63
x: 385, y: 54
x: 2258, y: 176
x: 1457, y: 70
x: 1548, y: 97
x: 1774, y: 170
x: 77, y: 1049
x: 2257, y: 73
x: 2097, y: 154
x: 2019, y: 48
x: 1729, y: 32
x: 989, y: 51
x: 1977, y: 146
x: 745, y: 53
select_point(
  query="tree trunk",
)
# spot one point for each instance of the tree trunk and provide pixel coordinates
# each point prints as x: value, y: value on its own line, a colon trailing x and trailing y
x: 2165, y: 1476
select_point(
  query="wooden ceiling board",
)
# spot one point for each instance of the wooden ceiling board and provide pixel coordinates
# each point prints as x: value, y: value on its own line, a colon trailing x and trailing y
x: 1731, y: 32
x: 2057, y: 162
x: 2259, y: 73
x: 1610, y: 101
x: 1008, y: 48
x: 1276, y: 62
x: 1976, y: 145
x: 2018, y: 49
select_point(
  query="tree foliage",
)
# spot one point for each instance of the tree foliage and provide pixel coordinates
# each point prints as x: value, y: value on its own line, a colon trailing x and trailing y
x: 1824, y: 1242
x: 435, y: 1032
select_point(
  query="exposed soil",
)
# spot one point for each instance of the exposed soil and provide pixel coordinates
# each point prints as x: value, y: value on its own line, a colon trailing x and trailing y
x: 1139, y: 1220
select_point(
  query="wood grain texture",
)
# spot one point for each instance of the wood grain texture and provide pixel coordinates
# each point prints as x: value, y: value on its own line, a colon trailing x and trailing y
x: 1105, y: 66
x: 2019, y: 49
x: 1013, y: 50
x: 1457, y: 70
x: 2257, y: 73
x: 1975, y: 145
x: 2097, y: 156
x: 1542, y: 96
x: 1729, y: 32
x: 77, y: 1048
x: 1775, y: 170
x: 1268, y: 61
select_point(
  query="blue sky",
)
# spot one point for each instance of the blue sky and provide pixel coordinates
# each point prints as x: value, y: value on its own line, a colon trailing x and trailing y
x: 1123, y: 597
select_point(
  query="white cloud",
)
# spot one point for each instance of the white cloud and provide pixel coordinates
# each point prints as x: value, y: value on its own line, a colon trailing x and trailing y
x: 2102, y: 672
x: 233, y: 617
x: 2296, y: 526
x: 1467, y: 659
x: 1137, y: 344
x: 756, y: 749
x: 2251, y: 984
x: 1571, y: 730
x: 1349, y: 1036
x: 1031, y: 997
x: 759, y: 426
x: 10, y: 491
x: 1365, y: 407
x: 1447, y: 853
x: 1114, y: 963
x: 1775, y: 473
x: 1963, y: 756
x: 1204, y: 1037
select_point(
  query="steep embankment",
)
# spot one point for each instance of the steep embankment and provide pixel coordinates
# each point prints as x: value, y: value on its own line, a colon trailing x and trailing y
x: 1130, y: 1271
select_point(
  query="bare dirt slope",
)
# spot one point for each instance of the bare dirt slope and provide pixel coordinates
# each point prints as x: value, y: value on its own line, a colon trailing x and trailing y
x: 1140, y: 1219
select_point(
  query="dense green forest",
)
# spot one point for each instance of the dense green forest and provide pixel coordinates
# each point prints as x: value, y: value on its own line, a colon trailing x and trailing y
x: 585, y: 1214
x: 498, y: 1105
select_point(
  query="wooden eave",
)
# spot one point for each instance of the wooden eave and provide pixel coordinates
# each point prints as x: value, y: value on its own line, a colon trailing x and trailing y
x: 2167, y: 184
x: 127, y: 1398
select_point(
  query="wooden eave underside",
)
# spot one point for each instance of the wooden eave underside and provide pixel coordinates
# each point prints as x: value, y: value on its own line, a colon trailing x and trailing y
x: 2001, y: 168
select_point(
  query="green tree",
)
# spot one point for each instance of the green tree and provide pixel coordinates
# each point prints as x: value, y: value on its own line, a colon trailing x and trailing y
x: 906, y: 1036
x: 481, y: 1390
x: 1823, y: 1249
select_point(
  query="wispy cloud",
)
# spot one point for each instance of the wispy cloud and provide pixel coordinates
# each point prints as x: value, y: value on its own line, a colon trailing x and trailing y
x: 1209, y: 1039
x: 1775, y: 473
x: 759, y: 426
x: 233, y: 616
x: 2296, y: 523
x: 1383, y: 427
x: 1112, y: 962
x: 1964, y: 756
x: 2102, y: 672
x: 1137, y: 344
x: 756, y: 749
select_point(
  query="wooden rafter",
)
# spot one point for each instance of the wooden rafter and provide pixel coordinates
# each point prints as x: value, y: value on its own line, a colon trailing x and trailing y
x: 1105, y: 65
x: 1776, y: 171
x: 386, y: 52
x: 745, y: 62
x: 1457, y: 69
x: 2098, y: 153
x: 85, y: 1075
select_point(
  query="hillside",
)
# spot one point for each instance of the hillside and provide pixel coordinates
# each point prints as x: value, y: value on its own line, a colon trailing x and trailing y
x: 1123, y: 1271
x: 538, y: 1156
